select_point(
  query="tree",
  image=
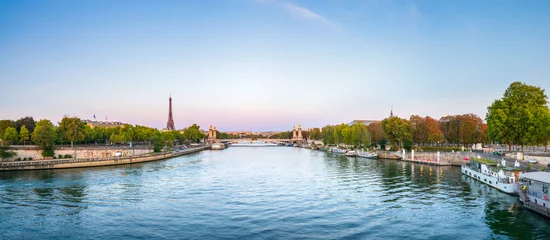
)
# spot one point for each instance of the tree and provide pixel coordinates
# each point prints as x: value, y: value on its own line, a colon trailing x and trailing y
x: 377, y: 133
x: 360, y: 135
x: 10, y: 135
x: 328, y: 135
x: 72, y: 129
x: 28, y: 122
x: 418, y: 129
x: 193, y: 133
x: 24, y: 134
x: 510, y: 119
x: 315, y: 134
x: 5, y: 124
x: 397, y: 131
x: 470, y: 129
x: 435, y: 135
x: 116, y: 138
x: 44, y: 135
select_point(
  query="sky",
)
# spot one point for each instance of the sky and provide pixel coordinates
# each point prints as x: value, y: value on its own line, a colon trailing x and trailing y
x: 264, y: 65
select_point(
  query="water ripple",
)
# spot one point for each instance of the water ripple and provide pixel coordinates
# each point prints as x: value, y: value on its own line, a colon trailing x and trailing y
x: 260, y: 193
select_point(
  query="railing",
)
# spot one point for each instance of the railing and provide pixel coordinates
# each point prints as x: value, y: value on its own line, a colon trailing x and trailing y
x: 81, y: 160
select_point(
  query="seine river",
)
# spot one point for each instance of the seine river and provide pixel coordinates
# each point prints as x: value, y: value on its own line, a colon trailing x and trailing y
x: 260, y: 193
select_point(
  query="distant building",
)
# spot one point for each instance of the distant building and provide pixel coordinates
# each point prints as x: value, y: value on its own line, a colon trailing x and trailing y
x: 107, y: 124
x: 364, y: 122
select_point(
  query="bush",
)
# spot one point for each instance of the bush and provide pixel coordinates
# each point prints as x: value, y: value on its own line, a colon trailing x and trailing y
x: 30, y: 158
x: 18, y: 159
x: 60, y: 156
x: 543, y: 169
x: 68, y: 156
x: 48, y: 152
x: 24, y: 159
x: 156, y: 148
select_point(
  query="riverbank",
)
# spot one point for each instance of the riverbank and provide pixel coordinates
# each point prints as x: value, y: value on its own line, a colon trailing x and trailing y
x: 93, y: 162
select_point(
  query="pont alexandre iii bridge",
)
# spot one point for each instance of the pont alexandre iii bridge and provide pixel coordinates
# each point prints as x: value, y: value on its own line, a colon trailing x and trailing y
x: 296, y: 137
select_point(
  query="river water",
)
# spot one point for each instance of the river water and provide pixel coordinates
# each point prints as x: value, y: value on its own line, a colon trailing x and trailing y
x: 260, y: 193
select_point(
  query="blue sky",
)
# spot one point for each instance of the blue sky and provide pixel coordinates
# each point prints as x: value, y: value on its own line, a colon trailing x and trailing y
x: 266, y: 64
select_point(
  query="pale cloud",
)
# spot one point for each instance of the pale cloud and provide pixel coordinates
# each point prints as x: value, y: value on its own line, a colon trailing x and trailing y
x: 302, y: 13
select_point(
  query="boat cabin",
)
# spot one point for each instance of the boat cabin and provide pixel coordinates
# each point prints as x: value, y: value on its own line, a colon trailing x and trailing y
x: 504, y: 174
x: 535, y: 186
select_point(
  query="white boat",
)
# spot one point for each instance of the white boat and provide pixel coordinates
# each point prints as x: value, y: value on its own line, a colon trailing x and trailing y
x: 498, y: 176
x: 351, y: 154
x: 338, y: 150
x: 367, y: 155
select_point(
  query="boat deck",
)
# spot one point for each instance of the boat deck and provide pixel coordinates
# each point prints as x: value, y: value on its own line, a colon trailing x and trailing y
x: 532, y: 206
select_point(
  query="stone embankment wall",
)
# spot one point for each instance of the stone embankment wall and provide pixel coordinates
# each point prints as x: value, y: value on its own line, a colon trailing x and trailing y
x: 453, y: 158
x: 90, y: 162
x: 540, y: 159
x: 88, y: 152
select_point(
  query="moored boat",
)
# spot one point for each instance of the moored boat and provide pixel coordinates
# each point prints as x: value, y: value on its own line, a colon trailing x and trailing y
x: 489, y: 172
x: 338, y: 150
x: 367, y: 155
x: 533, y: 192
x: 351, y: 153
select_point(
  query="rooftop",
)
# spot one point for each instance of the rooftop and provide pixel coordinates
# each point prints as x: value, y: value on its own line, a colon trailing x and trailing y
x: 537, y: 176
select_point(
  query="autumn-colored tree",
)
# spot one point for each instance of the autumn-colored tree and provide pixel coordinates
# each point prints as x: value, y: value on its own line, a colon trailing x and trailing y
x: 376, y: 131
x: 434, y: 133
x: 418, y: 129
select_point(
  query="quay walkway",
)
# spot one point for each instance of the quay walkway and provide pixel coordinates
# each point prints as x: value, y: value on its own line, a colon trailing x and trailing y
x: 94, y: 162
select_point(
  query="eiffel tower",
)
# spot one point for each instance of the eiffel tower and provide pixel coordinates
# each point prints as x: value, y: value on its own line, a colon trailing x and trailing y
x: 170, y: 123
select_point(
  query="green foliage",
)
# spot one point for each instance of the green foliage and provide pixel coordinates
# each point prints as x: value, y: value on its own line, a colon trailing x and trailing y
x: 116, y: 138
x: 157, y: 143
x: 24, y: 134
x: 5, y: 124
x: 543, y: 169
x: 10, y: 135
x: 484, y: 161
x: 48, y: 152
x: 193, y: 133
x: 72, y: 129
x: 60, y: 156
x: 44, y: 134
x: 285, y: 135
x: 520, y: 117
x: 6, y: 153
x: 397, y: 131
x: 28, y: 122
x: 328, y: 135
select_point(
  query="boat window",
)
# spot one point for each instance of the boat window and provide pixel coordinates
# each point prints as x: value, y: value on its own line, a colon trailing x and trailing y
x: 530, y: 182
x: 545, y: 188
x: 490, y: 182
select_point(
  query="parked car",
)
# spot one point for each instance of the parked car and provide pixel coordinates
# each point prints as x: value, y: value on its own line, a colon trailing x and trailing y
x: 501, y: 153
x: 532, y: 160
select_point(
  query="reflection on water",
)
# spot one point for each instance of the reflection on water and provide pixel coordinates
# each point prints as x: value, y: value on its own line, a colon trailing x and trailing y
x: 259, y: 193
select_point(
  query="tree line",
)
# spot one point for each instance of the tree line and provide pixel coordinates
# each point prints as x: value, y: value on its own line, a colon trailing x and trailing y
x: 72, y: 130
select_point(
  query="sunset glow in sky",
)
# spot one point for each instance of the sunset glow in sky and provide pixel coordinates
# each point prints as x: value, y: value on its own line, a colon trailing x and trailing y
x: 266, y: 64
